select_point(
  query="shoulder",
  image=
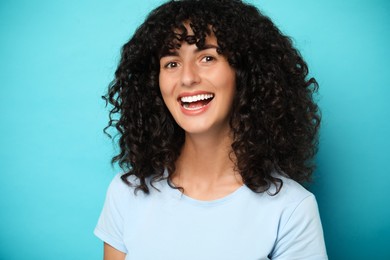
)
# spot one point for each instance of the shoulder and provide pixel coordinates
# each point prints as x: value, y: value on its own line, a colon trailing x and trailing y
x: 114, y: 213
x: 124, y: 193
x: 292, y: 205
x: 290, y: 194
x: 117, y: 210
x: 280, y: 208
x: 118, y: 185
x: 300, y: 234
x: 121, y: 193
x: 292, y: 191
x: 297, y: 201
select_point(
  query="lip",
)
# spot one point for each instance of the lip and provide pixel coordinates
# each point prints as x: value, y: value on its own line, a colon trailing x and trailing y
x: 195, y: 112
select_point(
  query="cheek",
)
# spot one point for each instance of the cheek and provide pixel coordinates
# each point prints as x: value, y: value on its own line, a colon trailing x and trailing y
x: 166, y: 93
x: 224, y: 76
x: 230, y: 85
x: 161, y: 83
x: 229, y: 82
x: 165, y: 86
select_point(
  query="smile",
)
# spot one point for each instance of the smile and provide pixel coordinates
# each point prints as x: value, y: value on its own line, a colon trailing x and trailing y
x: 196, y: 102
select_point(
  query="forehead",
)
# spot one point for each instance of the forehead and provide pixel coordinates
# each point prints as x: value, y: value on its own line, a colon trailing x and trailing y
x: 186, y: 33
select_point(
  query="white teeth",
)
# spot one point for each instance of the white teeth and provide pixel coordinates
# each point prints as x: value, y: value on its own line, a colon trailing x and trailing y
x: 196, y: 98
x: 187, y: 107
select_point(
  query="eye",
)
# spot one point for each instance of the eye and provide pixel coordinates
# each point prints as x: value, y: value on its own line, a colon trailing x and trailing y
x: 208, y: 58
x: 170, y: 65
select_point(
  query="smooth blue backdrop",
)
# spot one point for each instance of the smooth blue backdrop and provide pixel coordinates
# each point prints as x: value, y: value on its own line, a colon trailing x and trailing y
x: 56, y: 60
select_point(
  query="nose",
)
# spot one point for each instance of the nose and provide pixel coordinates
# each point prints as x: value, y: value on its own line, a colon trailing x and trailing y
x: 189, y: 75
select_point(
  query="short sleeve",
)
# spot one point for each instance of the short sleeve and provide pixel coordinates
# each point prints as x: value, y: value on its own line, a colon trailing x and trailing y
x: 301, y: 235
x: 110, y: 224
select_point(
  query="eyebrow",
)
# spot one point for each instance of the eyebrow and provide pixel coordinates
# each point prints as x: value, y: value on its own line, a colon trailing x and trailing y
x: 205, y: 47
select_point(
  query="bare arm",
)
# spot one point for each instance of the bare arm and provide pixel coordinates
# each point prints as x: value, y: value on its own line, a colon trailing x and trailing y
x: 111, y: 253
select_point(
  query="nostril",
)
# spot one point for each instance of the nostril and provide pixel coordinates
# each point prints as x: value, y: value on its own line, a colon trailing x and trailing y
x: 189, y: 76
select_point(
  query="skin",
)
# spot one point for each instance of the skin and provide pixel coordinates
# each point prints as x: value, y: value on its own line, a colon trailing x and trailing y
x: 111, y: 253
x: 204, y: 168
x: 191, y: 71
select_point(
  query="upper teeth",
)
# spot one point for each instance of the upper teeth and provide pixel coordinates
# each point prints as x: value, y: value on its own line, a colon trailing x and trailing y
x: 195, y: 98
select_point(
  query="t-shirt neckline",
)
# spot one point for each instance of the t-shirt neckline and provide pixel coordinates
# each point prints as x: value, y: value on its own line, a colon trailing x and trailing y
x: 205, y: 203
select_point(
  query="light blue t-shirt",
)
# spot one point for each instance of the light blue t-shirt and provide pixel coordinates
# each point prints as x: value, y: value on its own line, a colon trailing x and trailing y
x: 241, y: 226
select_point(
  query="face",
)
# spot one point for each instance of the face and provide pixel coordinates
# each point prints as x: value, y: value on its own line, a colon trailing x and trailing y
x: 198, y: 86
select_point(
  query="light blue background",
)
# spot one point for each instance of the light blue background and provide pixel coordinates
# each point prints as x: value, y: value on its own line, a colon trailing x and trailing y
x: 56, y: 60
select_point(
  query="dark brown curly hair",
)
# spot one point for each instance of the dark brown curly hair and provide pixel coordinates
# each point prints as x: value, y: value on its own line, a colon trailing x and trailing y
x: 274, y: 119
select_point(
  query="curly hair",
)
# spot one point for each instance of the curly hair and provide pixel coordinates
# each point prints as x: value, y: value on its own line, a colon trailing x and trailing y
x: 274, y: 119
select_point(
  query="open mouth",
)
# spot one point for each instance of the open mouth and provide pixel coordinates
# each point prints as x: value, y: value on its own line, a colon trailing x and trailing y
x: 195, y: 102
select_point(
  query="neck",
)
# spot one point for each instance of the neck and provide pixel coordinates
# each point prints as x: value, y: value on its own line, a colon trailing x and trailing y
x: 205, y: 162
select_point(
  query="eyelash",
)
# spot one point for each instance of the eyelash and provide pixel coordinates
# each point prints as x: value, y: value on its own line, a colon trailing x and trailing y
x: 173, y: 64
x: 208, y: 58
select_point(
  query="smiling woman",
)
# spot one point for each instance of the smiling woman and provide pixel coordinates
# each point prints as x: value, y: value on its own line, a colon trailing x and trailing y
x: 197, y: 85
x: 217, y: 129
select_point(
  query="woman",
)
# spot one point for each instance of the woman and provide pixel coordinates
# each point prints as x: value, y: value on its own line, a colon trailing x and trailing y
x: 217, y: 127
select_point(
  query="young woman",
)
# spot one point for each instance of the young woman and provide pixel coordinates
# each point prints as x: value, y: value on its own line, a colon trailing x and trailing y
x: 217, y: 128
